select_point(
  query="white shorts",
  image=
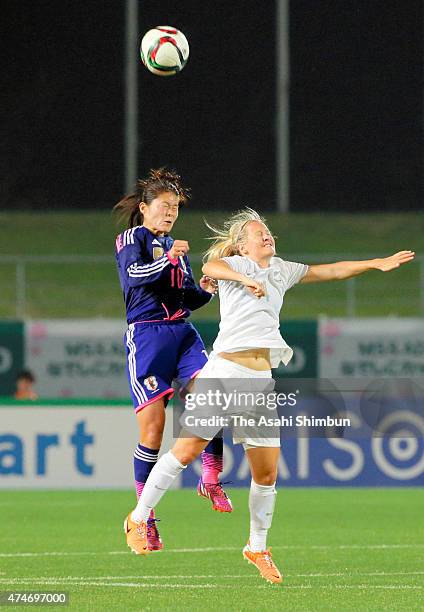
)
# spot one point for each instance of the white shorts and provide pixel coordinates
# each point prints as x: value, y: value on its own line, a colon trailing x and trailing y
x: 226, y: 373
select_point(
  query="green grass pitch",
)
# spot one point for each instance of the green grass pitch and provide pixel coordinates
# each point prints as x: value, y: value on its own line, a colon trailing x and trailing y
x: 92, y: 290
x: 339, y: 549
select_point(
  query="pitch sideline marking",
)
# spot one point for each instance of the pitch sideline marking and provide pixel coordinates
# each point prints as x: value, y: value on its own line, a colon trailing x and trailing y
x: 220, y: 549
x: 65, y: 579
x: 220, y: 586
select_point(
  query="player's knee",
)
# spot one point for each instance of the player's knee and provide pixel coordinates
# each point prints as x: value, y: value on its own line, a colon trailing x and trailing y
x: 186, y: 457
x: 151, y: 437
x: 266, y: 477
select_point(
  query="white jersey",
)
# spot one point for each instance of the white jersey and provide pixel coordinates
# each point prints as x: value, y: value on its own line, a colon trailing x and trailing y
x: 248, y: 322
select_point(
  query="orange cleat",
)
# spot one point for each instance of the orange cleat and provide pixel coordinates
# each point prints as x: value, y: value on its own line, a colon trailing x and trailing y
x: 263, y: 561
x: 136, y: 536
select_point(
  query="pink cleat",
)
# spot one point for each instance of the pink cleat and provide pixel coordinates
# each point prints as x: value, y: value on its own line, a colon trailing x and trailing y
x: 154, y: 541
x: 220, y: 500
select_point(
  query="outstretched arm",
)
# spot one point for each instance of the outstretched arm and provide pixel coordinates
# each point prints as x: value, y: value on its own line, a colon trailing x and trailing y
x: 346, y: 269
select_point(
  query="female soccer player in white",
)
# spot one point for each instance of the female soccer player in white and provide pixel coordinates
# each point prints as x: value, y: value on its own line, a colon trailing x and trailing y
x: 252, y: 284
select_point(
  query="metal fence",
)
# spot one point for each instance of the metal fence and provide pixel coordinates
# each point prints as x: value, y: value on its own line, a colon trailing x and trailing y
x: 60, y: 286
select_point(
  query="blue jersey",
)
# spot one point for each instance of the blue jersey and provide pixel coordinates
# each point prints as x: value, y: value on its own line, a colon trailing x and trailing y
x: 155, y: 287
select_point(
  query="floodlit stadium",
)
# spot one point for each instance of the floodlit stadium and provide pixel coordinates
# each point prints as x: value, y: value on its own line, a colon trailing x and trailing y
x: 211, y: 311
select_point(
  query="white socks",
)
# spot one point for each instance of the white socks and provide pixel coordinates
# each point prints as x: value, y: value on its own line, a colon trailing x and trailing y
x: 160, y: 479
x: 261, y: 499
x: 261, y: 506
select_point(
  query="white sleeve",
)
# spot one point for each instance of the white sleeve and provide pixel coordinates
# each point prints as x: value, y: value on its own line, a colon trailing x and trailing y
x: 292, y: 272
x: 237, y: 263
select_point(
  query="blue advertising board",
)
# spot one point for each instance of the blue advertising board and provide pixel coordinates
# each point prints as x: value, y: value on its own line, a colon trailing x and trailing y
x: 304, y: 462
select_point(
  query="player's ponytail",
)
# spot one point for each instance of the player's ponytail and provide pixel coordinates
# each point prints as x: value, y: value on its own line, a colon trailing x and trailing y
x: 146, y: 190
x: 227, y: 239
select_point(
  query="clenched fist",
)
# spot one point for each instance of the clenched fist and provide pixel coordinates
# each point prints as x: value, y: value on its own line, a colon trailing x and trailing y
x: 179, y: 248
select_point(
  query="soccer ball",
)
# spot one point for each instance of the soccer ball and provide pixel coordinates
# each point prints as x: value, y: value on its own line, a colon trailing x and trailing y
x: 164, y: 50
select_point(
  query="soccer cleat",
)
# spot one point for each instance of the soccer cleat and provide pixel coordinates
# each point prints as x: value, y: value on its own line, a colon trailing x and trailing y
x: 220, y: 500
x: 136, y: 536
x: 263, y: 561
x: 154, y: 541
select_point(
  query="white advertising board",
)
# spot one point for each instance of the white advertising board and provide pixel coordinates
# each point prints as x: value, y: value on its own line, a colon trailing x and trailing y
x: 77, y: 358
x: 377, y: 348
x: 79, y: 447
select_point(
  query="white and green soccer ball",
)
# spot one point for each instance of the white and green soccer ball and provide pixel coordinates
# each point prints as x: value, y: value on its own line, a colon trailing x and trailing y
x: 164, y: 50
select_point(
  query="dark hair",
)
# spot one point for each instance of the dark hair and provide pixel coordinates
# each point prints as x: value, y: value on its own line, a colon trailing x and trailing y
x: 25, y: 375
x: 146, y: 190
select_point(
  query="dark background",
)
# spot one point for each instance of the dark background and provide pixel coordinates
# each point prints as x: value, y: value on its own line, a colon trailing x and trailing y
x: 356, y: 103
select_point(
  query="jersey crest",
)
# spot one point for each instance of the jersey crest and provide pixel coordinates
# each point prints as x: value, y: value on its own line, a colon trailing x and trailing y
x: 151, y: 383
x: 157, y: 252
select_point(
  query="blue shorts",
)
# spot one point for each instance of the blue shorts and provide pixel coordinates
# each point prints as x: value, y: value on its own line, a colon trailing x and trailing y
x: 158, y: 353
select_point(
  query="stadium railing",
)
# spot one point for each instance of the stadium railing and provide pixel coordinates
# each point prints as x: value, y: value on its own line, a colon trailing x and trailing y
x: 62, y: 286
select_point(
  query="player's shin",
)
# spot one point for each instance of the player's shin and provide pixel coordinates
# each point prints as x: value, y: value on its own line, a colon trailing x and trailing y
x: 160, y: 479
x: 144, y: 461
x: 261, y: 507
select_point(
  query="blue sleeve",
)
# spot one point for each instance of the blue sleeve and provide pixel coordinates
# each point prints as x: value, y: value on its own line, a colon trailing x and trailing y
x: 194, y: 296
x: 135, y: 261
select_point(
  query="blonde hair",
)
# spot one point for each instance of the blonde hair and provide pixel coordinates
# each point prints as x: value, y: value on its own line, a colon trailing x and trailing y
x: 228, y: 238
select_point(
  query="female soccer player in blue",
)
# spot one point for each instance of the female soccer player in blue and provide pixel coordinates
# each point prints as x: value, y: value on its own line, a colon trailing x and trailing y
x: 161, y: 346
